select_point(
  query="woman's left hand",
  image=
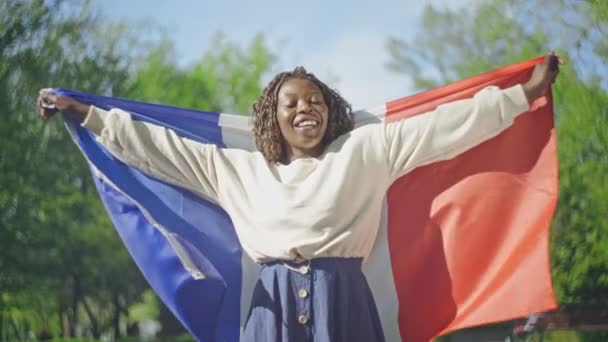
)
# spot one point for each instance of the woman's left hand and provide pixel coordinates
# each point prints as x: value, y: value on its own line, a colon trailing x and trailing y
x: 543, y: 75
x: 49, y: 104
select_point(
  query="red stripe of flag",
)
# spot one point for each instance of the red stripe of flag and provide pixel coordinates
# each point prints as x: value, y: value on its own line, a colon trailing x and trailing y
x: 468, y: 237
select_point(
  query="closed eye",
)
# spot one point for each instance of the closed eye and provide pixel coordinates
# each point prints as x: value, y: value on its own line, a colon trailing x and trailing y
x: 316, y: 101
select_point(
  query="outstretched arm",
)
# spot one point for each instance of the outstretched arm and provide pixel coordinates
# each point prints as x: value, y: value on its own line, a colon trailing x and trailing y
x: 455, y: 127
x: 155, y: 150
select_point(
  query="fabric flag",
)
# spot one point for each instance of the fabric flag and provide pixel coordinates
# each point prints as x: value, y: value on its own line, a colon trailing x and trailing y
x: 462, y: 242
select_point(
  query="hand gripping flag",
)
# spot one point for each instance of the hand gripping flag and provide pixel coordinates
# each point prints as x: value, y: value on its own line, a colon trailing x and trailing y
x: 463, y: 242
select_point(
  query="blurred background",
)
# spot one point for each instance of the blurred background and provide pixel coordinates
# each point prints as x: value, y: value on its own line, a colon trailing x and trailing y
x: 64, y: 274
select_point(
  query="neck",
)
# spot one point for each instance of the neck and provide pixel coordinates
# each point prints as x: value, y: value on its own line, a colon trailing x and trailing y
x: 290, y: 153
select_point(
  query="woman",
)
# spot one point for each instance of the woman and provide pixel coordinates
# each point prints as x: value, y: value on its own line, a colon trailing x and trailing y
x: 303, y: 206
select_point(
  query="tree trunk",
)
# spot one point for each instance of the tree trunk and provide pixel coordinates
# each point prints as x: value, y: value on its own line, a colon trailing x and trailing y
x: 1, y: 323
x: 92, y: 318
x: 116, y: 320
x: 76, y: 295
x: 15, y: 330
x: 132, y: 328
x: 170, y: 325
x: 65, y: 324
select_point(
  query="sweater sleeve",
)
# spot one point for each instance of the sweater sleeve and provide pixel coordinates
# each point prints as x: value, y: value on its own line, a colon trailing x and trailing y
x: 156, y: 151
x: 450, y: 129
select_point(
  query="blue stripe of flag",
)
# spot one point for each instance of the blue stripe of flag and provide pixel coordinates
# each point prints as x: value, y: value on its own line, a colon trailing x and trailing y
x: 208, y: 308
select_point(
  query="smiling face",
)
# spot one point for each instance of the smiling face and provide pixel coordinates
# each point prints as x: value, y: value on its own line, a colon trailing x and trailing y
x: 302, y: 114
x: 297, y: 116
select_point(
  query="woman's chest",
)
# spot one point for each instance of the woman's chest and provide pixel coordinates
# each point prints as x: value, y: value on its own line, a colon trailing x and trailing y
x: 318, y: 199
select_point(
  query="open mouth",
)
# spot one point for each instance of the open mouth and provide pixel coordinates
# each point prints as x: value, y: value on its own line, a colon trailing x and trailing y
x: 306, y: 122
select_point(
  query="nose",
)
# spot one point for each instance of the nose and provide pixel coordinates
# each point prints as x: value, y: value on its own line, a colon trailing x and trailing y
x: 304, y: 106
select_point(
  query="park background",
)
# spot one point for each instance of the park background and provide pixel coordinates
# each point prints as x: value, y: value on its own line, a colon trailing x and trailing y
x: 64, y: 273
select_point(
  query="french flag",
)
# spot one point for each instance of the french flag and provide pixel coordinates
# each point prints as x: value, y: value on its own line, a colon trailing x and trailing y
x: 462, y: 242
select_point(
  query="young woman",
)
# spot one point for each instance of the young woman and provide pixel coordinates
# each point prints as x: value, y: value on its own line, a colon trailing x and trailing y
x: 303, y: 205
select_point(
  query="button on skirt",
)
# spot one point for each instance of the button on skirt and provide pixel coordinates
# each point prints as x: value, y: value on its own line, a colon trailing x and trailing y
x: 325, y: 299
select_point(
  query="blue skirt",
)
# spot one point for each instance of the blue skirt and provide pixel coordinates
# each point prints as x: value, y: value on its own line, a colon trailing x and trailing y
x: 325, y: 299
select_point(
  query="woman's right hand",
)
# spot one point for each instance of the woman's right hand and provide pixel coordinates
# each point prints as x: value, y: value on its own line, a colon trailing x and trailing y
x: 543, y: 75
x: 48, y: 104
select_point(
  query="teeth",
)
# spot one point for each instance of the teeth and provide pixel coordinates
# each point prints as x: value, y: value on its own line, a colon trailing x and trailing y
x: 307, y: 123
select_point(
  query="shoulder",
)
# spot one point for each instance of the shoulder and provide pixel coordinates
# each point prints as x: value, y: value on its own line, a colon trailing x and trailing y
x: 238, y: 157
x: 365, y: 142
x: 359, y: 136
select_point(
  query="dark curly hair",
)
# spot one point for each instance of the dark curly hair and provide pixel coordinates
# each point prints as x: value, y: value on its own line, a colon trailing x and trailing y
x: 266, y: 131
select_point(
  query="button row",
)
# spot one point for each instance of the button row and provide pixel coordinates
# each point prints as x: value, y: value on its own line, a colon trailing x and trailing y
x: 303, y: 319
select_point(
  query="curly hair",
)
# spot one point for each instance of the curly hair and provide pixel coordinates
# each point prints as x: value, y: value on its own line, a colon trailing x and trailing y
x: 266, y: 131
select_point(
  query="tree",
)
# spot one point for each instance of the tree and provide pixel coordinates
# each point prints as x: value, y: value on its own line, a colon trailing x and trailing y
x: 457, y: 44
x: 227, y: 78
x: 64, y: 269
x: 51, y: 224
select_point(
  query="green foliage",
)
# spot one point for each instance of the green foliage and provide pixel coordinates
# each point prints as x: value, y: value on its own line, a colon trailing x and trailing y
x: 64, y: 271
x: 54, y: 237
x: 558, y: 336
x: 225, y: 79
x: 147, y: 309
x: 458, y: 44
x: 580, y: 244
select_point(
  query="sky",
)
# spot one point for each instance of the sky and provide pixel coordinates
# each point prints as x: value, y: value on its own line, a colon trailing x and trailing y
x: 342, y: 42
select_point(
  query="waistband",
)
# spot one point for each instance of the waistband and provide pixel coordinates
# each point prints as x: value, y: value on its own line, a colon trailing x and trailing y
x: 327, y: 264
